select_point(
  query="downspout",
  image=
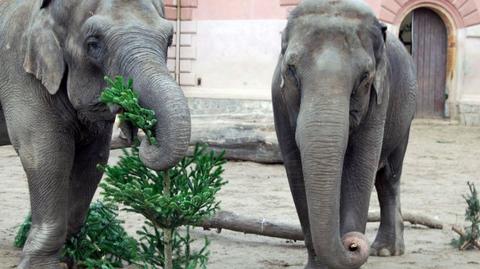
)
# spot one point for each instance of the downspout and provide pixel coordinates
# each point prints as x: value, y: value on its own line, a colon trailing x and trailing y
x: 177, y: 46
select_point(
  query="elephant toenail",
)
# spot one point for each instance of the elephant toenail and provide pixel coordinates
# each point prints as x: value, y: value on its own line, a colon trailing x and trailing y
x: 384, y: 253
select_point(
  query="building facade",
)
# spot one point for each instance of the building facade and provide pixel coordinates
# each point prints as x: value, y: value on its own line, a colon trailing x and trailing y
x: 229, y: 49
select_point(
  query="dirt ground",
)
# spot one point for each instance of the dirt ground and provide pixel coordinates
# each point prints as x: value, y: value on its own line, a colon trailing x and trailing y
x: 441, y: 158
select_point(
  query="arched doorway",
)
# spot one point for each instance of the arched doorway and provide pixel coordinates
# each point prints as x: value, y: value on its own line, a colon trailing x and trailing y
x: 425, y: 35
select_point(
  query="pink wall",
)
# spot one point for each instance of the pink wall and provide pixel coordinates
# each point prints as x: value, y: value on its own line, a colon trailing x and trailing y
x: 464, y: 12
x: 239, y: 10
x: 375, y: 4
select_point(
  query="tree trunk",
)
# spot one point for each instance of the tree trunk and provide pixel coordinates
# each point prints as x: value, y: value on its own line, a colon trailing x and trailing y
x: 167, y: 232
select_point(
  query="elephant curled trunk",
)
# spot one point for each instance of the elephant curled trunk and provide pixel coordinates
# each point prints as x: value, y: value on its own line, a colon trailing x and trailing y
x: 322, y: 137
x: 173, y: 123
x: 160, y: 92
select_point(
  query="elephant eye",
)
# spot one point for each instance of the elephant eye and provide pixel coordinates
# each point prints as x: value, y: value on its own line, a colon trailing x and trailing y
x: 363, y: 83
x: 292, y: 73
x: 366, y: 80
x: 365, y: 77
x: 291, y: 70
x: 94, y: 48
x: 93, y: 45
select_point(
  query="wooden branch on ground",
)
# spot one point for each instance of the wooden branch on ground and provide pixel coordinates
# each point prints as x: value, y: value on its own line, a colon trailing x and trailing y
x: 459, y: 230
x: 231, y: 221
x: 234, y: 222
x: 411, y: 218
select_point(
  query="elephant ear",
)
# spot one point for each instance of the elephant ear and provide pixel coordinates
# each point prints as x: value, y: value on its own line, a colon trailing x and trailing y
x: 380, y: 83
x: 288, y: 90
x: 44, y: 56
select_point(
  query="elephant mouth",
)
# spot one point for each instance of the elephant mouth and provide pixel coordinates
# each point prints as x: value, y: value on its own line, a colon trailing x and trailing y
x: 97, y: 112
x: 115, y: 109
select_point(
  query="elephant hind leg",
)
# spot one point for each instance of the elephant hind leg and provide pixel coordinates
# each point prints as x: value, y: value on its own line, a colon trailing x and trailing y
x: 389, y: 240
x: 84, y: 179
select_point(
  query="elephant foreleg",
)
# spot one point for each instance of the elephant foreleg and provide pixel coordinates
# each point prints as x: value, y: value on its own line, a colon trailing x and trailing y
x: 389, y: 240
x: 84, y: 179
x: 359, y: 171
x: 47, y: 160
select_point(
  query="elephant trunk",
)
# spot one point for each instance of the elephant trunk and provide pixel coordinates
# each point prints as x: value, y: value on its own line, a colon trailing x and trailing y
x: 322, y: 137
x: 159, y: 91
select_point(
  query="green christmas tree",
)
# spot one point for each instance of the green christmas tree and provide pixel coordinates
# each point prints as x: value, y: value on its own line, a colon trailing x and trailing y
x: 182, y: 196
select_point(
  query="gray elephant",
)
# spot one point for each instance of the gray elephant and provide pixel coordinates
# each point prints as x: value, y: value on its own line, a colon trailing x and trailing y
x: 343, y: 98
x: 54, y: 55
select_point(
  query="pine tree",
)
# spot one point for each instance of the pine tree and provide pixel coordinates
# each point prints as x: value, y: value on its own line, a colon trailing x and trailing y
x: 182, y: 196
x: 471, y: 238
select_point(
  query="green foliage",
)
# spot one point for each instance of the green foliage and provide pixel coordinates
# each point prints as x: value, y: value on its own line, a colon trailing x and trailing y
x: 195, y: 181
x: 23, y: 231
x: 101, y: 243
x: 121, y: 94
x: 472, y: 215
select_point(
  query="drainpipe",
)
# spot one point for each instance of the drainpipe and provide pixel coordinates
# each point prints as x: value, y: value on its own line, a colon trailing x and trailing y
x: 177, y: 46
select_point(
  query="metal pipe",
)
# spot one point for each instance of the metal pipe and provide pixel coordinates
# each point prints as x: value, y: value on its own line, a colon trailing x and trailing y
x: 177, y: 46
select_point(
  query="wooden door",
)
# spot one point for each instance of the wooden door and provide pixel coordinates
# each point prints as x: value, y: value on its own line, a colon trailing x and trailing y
x: 429, y: 51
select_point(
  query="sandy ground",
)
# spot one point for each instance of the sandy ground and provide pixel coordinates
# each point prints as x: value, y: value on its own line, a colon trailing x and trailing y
x: 441, y: 158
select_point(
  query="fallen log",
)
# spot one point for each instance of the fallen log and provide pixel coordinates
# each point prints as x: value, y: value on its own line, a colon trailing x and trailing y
x: 234, y: 222
x: 459, y: 230
x: 415, y: 219
x: 251, y: 151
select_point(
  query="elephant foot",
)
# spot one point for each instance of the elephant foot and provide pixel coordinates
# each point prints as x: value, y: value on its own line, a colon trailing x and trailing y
x: 389, y: 240
x: 41, y: 263
x: 67, y: 263
x: 311, y: 266
x: 314, y: 264
x: 387, y: 248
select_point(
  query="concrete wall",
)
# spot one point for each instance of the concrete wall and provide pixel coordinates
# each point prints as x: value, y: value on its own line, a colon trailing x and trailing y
x: 469, y: 97
x: 231, y: 47
x: 235, y: 58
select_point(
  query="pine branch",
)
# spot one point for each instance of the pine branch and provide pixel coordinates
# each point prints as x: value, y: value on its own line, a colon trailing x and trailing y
x: 470, y: 236
x: 120, y: 94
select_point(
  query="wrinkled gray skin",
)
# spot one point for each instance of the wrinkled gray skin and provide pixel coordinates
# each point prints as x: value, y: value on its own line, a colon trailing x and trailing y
x: 54, y: 55
x: 343, y: 99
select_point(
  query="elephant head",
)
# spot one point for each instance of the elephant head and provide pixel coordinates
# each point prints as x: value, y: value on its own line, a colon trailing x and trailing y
x: 332, y: 78
x: 71, y: 45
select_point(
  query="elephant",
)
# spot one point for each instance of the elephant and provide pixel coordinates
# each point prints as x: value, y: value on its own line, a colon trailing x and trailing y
x: 343, y: 96
x: 55, y: 55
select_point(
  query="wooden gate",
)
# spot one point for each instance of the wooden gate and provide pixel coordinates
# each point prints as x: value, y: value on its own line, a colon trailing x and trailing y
x: 429, y: 49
